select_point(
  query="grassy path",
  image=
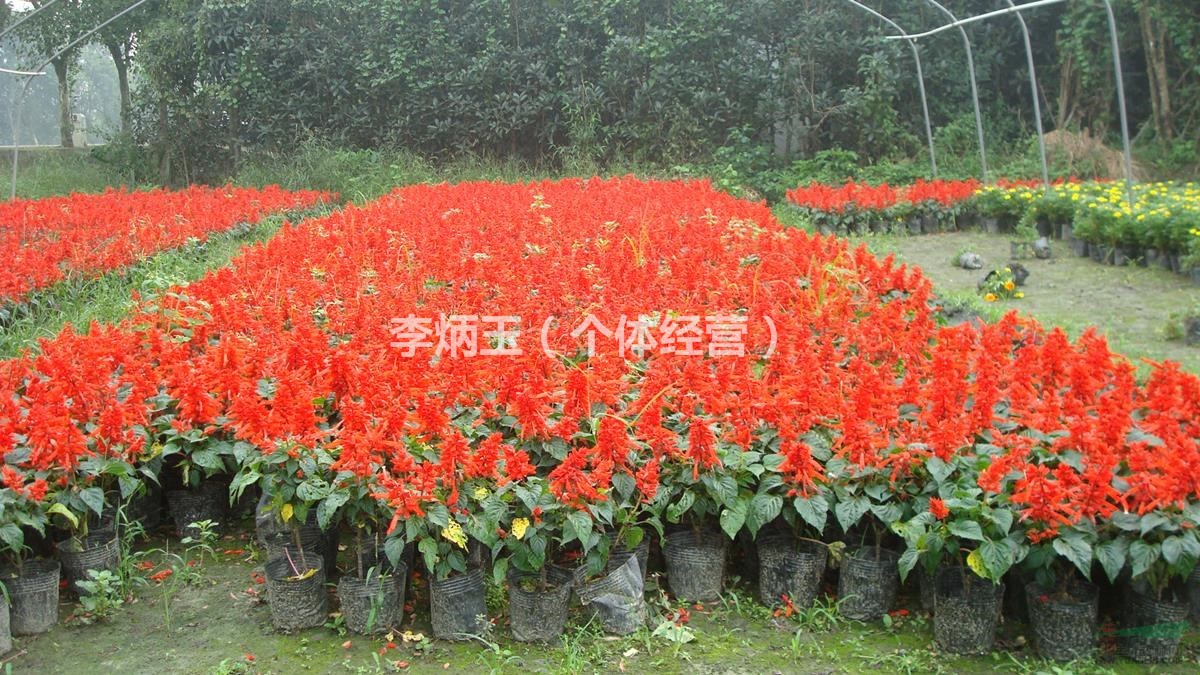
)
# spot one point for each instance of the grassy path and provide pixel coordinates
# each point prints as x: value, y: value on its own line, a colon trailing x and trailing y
x: 1130, y: 305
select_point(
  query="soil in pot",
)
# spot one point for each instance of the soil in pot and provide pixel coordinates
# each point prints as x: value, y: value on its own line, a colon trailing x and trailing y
x: 538, y: 607
x: 867, y: 583
x: 791, y: 567
x: 966, y: 611
x: 207, y: 502
x: 296, y: 593
x: 457, y: 605
x: 617, y: 599
x: 97, y: 551
x: 34, y: 596
x: 1151, y: 627
x: 1064, y: 621
x: 696, y: 564
x: 375, y: 604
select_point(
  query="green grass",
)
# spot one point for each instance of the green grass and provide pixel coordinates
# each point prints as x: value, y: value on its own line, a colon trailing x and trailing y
x: 109, y: 298
x: 1131, y: 306
x: 45, y: 172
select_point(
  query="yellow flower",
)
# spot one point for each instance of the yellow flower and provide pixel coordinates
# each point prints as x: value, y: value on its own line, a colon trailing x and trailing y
x: 454, y: 534
x: 990, y: 297
x: 481, y: 493
x: 519, y: 526
x: 1009, y: 285
x: 1018, y: 294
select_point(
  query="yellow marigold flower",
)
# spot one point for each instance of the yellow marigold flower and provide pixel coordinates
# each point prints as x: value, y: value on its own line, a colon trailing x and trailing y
x: 990, y: 297
x: 519, y: 525
x: 455, y: 535
x: 1009, y: 285
x: 1019, y: 294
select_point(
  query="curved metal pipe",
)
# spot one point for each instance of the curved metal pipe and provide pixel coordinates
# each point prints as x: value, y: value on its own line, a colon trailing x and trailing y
x: 1033, y: 86
x: 1116, y: 54
x: 920, y: 81
x: 974, y: 88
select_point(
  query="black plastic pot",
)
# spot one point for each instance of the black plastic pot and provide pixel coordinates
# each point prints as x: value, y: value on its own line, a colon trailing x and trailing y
x: 296, y: 603
x: 927, y: 583
x: 207, y: 502
x: 372, y: 605
x: 696, y: 564
x: 273, y: 534
x: 620, y: 554
x: 1151, y: 629
x: 538, y: 614
x: 146, y: 508
x: 617, y: 599
x: 791, y: 567
x: 867, y: 583
x: 98, y: 551
x: 1193, y: 591
x: 1064, y: 629
x: 34, y: 596
x: 5, y: 629
x: 457, y: 605
x: 966, y: 612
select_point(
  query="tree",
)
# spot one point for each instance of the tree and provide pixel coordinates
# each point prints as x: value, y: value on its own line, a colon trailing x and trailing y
x: 47, y: 33
x: 120, y: 39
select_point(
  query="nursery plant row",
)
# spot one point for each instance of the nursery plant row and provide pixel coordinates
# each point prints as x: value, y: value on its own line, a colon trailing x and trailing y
x: 1150, y: 223
x: 56, y: 238
x: 534, y: 380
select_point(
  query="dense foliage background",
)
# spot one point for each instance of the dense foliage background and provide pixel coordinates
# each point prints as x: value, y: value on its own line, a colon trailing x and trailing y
x: 593, y: 81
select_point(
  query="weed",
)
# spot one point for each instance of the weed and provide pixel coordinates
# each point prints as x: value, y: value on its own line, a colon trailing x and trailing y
x: 101, y: 596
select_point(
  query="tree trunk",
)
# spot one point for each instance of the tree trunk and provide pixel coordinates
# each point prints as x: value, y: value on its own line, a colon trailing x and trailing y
x: 1154, y: 45
x: 1066, y: 91
x: 66, y: 125
x: 121, y: 62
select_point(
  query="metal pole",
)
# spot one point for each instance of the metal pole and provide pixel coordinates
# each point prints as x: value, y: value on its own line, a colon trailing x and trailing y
x: 12, y: 194
x: 1037, y: 103
x: 26, y: 17
x: 920, y: 81
x: 1116, y: 54
x: 974, y: 89
x: 975, y: 19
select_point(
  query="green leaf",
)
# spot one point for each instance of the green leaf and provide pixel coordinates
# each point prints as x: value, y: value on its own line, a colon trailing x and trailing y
x: 1172, y: 549
x: 499, y: 571
x: 723, y: 487
x: 938, y: 470
x: 1130, y: 522
x: 908, y: 560
x: 581, y: 525
x: 94, y: 498
x: 313, y: 489
x: 328, y: 508
x: 848, y: 512
x: 1003, y: 518
x: 208, y: 459
x: 63, y: 511
x: 966, y: 529
x: 1078, y: 551
x: 393, y: 548
x: 1141, y: 557
x: 733, y: 518
x: 429, y: 550
x: 997, y: 557
x: 12, y: 536
x: 675, y: 511
x: 814, y: 511
x: 763, y: 509
x: 1152, y: 520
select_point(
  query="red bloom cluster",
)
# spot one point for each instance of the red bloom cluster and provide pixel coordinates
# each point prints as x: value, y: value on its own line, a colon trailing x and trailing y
x: 47, y: 240
x: 293, y: 343
x: 865, y: 197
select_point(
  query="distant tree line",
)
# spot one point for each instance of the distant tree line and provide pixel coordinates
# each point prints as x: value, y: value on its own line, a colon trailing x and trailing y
x: 550, y: 80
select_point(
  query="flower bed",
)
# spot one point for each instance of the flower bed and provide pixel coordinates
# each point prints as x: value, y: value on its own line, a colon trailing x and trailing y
x: 859, y: 207
x: 48, y: 240
x: 740, y: 377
